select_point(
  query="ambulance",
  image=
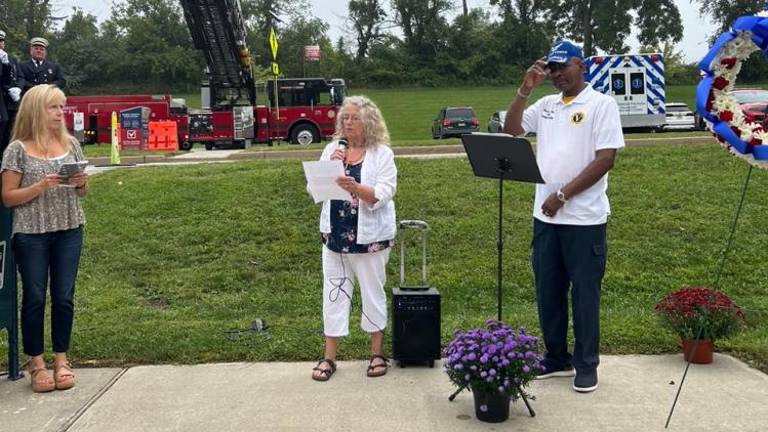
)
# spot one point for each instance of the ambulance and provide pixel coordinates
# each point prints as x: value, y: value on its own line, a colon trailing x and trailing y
x: 636, y: 81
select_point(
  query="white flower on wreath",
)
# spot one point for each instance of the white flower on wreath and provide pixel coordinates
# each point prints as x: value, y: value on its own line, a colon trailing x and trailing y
x: 739, y: 48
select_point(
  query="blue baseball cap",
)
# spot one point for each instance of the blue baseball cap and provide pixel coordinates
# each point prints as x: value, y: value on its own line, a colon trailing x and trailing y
x: 563, y: 51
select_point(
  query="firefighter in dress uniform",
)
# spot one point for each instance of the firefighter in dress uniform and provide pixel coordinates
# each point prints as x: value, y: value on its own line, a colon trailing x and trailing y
x: 39, y: 70
x: 10, y: 93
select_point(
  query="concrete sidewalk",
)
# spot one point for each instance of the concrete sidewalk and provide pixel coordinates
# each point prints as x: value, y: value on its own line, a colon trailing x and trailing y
x: 635, y: 394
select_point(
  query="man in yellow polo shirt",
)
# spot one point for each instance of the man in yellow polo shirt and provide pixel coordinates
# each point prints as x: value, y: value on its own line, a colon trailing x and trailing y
x: 578, y: 132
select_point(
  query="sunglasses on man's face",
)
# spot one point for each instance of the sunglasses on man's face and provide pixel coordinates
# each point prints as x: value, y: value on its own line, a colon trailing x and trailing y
x: 556, y: 67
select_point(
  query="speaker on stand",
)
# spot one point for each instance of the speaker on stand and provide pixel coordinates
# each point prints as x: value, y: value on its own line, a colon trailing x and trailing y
x: 415, y: 311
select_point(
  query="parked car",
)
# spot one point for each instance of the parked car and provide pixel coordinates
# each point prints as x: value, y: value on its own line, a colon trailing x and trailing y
x: 496, y: 122
x: 753, y: 102
x: 454, y: 121
x: 678, y: 117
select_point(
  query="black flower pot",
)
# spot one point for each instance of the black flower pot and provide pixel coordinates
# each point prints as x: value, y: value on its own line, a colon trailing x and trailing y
x: 491, y: 407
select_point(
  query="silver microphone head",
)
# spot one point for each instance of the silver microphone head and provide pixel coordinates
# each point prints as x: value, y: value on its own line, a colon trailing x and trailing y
x: 343, y: 143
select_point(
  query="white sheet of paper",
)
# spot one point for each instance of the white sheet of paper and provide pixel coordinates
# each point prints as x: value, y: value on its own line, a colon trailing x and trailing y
x: 321, y: 180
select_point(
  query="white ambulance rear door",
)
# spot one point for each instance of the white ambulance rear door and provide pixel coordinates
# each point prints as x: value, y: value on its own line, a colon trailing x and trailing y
x: 628, y: 88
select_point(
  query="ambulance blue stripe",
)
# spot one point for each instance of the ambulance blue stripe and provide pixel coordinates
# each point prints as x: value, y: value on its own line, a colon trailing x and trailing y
x: 652, y: 75
x: 602, y: 72
x: 598, y: 69
x: 652, y: 69
x: 658, y: 95
x: 656, y: 65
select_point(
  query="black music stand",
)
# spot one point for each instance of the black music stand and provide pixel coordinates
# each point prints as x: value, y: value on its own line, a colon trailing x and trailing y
x: 503, y: 157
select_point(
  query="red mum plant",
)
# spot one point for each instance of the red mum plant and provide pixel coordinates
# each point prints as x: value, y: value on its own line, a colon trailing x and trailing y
x: 700, y: 313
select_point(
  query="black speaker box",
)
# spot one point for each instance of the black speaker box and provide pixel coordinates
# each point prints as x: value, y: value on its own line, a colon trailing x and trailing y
x: 415, y: 326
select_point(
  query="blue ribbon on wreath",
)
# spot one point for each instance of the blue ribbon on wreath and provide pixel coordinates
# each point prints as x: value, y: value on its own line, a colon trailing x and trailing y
x: 759, y: 28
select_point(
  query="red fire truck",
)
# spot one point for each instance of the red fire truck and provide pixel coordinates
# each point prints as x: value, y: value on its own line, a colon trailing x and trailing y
x: 304, y: 112
x: 97, y: 114
x: 305, y: 109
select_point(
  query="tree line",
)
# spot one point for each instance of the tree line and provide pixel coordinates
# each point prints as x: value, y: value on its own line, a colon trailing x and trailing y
x: 145, y: 45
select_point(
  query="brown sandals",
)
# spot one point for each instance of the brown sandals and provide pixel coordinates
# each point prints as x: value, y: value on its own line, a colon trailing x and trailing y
x: 41, y: 386
x: 377, y: 370
x: 63, y: 376
x: 325, y: 373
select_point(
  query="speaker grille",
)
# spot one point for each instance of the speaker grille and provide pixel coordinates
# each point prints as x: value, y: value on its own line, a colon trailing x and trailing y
x: 416, y: 325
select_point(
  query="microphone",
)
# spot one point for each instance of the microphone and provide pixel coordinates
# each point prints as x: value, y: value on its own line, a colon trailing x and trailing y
x: 343, y: 146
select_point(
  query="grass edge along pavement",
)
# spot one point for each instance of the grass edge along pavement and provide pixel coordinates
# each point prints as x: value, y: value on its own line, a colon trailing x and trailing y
x: 174, y: 257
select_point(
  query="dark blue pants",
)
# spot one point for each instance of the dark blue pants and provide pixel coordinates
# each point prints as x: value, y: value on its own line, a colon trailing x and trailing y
x: 55, y: 254
x: 569, y: 257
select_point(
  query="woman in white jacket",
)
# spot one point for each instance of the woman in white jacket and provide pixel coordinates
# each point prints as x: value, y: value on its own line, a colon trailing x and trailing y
x: 357, y: 235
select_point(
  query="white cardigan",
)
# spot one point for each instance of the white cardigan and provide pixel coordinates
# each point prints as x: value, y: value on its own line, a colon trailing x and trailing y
x: 374, y: 222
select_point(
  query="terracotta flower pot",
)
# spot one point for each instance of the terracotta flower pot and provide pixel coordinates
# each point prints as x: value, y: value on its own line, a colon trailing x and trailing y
x: 698, y: 351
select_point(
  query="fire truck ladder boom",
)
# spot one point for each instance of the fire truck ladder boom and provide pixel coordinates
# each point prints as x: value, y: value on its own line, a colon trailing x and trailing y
x: 218, y: 30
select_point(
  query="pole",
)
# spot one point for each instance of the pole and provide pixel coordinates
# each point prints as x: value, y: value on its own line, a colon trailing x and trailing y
x: 114, y: 154
x: 8, y: 296
x: 501, y: 170
x: 716, y: 286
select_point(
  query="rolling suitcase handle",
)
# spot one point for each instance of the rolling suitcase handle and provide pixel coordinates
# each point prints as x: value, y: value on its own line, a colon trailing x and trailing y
x: 423, y: 228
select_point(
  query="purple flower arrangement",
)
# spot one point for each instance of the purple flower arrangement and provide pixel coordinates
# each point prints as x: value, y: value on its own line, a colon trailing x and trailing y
x: 493, y: 359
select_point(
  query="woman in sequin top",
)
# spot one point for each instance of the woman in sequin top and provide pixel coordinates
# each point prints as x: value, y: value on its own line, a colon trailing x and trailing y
x: 47, y: 227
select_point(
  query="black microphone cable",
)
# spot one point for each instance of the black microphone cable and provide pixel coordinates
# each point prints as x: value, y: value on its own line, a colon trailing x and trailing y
x: 338, y: 289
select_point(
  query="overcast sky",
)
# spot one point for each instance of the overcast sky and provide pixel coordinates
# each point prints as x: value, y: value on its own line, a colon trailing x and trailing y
x: 693, y: 46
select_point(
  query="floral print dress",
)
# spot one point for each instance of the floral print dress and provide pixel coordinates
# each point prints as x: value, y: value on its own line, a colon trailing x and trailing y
x: 343, y: 236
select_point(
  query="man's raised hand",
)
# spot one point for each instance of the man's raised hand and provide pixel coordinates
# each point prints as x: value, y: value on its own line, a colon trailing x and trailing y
x: 535, y: 74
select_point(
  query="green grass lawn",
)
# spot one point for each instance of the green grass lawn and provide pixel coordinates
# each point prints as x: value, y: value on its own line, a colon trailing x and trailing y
x: 176, y: 256
x: 409, y: 111
x: 104, y: 150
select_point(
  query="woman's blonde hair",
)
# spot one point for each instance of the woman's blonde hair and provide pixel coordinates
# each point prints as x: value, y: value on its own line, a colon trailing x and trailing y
x: 31, y: 123
x: 374, y: 127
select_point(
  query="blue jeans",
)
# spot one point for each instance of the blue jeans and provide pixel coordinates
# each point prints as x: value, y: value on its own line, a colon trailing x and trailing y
x: 569, y: 258
x: 39, y: 255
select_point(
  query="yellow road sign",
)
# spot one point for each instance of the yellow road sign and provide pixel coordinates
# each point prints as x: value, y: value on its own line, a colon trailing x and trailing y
x: 275, y: 69
x: 273, y: 43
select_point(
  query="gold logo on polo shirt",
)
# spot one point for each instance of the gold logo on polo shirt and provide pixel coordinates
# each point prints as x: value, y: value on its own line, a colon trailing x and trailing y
x: 578, y: 117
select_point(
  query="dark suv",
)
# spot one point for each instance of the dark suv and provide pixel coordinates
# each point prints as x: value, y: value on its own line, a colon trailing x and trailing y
x: 454, y: 121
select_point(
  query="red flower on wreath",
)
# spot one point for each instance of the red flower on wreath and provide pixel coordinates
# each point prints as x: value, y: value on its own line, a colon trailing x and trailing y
x: 726, y: 116
x: 756, y: 141
x: 729, y: 62
x: 720, y: 83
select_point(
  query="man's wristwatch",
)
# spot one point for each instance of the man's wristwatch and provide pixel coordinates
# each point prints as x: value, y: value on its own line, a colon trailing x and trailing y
x: 561, y: 196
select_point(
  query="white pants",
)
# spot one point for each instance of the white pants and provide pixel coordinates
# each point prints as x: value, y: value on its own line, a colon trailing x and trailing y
x: 369, y: 269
